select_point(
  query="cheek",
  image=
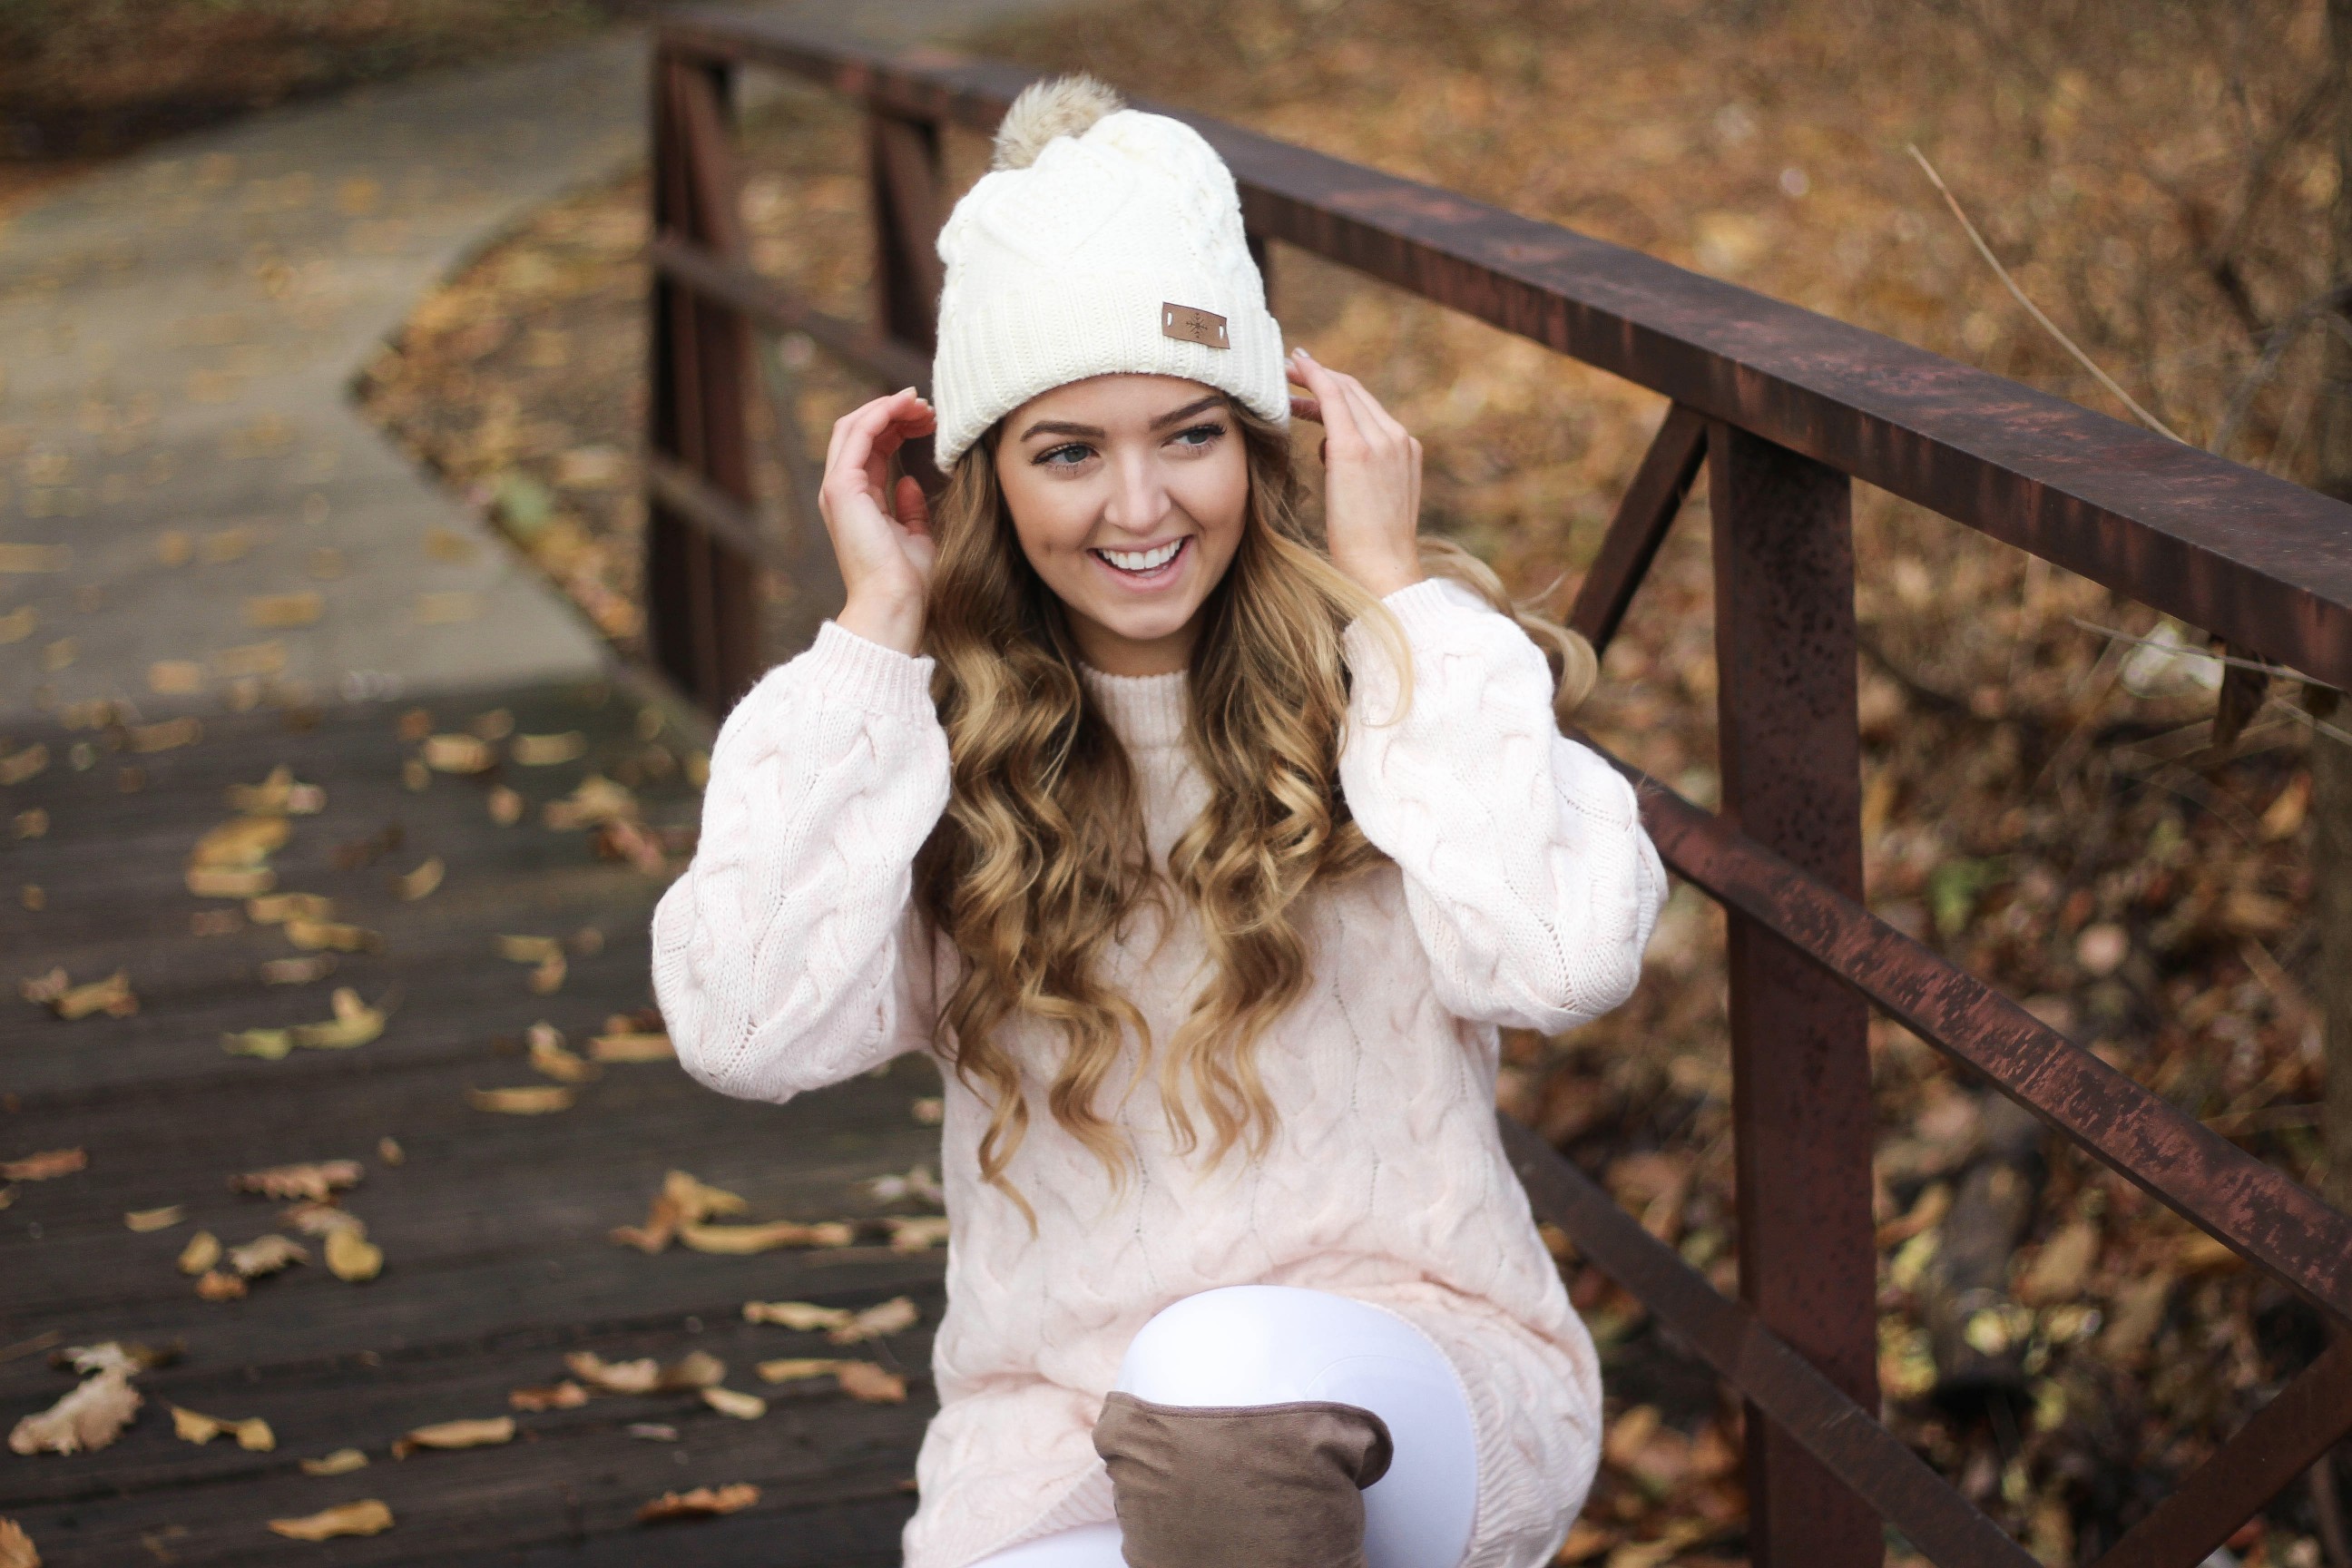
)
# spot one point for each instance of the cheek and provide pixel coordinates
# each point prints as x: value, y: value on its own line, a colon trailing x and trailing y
x: 1050, y: 528
x: 1215, y: 494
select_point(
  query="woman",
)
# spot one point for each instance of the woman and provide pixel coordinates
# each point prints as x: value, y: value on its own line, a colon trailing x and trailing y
x: 1207, y: 862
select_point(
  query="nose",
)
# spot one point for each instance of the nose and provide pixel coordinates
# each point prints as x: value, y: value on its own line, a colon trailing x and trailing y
x: 1140, y: 501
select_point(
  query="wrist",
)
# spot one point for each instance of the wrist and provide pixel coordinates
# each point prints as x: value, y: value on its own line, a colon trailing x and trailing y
x: 894, y: 621
x: 1380, y: 577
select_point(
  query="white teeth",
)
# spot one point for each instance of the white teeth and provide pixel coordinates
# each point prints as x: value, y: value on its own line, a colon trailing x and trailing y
x: 1141, y: 560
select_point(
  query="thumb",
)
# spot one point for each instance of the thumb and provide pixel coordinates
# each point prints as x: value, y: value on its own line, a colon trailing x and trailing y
x: 914, y: 512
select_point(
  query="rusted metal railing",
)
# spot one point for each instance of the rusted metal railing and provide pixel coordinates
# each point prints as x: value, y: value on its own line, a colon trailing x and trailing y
x: 1784, y: 409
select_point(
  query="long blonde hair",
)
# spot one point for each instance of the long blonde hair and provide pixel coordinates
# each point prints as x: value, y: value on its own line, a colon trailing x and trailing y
x: 1040, y: 863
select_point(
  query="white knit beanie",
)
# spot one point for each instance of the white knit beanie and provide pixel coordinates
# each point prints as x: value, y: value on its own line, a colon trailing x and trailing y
x: 1104, y: 240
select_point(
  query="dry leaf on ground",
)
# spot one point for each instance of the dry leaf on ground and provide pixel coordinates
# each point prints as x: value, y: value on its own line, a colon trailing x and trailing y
x: 632, y: 1047
x: 741, y: 1239
x: 870, y: 1384
x: 315, y: 1180
x: 595, y: 801
x: 896, y: 1313
x: 549, y: 1054
x: 916, y: 1233
x: 296, y: 972
x: 529, y: 949
x: 16, y: 767
x: 415, y: 885
x: 219, y: 1285
x: 682, y: 1200
x: 352, y: 1258
x: 204, y: 1250
x: 277, y: 909
x: 798, y: 1368
x: 47, y: 1165
x: 545, y: 750
x: 480, y: 1432
x: 695, y: 1369
x: 278, y: 796
x: 164, y: 1219
x: 564, y: 1396
x: 230, y: 882
x: 111, y: 995
x: 274, y: 611
x: 241, y: 841
x: 456, y: 753
x: 505, y: 806
x: 741, y: 1406
x: 87, y: 1419
x: 342, y: 1462
x: 802, y: 1316
x: 266, y: 1255
x: 313, y: 936
x: 16, y: 1549
x: 355, y: 1023
x: 640, y: 1376
x: 917, y: 1183
x: 252, y: 1434
x: 702, y: 1503
x: 529, y: 1099
x: 369, y: 1517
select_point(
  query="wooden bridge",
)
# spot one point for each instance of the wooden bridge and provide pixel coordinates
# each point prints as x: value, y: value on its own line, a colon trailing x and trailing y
x: 496, y: 1228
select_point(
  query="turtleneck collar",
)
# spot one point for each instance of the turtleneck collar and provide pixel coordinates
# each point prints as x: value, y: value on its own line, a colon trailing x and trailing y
x: 1144, y: 710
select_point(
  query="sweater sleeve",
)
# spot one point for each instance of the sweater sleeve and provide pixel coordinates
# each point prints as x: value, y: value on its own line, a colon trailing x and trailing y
x: 1528, y: 874
x: 789, y: 956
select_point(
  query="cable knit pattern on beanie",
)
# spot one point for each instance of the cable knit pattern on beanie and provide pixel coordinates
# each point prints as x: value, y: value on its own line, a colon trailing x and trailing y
x: 1522, y: 892
x: 1056, y: 270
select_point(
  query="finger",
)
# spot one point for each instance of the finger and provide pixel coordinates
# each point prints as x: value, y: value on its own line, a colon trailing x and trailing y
x: 1375, y: 420
x: 1306, y: 408
x: 914, y: 511
x: 1338, y: 417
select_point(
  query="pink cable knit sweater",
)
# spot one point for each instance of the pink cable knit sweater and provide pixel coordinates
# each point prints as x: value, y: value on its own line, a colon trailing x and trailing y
x: 1522, y: 892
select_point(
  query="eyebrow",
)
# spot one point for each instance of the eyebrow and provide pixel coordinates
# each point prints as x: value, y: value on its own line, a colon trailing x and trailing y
x: 1060, y: 427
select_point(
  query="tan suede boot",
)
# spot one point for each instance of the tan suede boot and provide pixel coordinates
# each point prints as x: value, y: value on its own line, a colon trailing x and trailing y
x: 1257, y: 1486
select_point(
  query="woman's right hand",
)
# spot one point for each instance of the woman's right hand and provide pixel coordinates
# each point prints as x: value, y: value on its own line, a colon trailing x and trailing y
x: 883, y: 544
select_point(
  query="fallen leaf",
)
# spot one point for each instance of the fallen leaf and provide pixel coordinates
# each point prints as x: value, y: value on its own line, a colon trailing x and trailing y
x: 297, y: 971
x: 311, y: 1217
x: 651, y: 1431
x: 631, y: 843
x: 2063, y: 1265
x: 130, y: 1359
x: 695, y: 1369
x: 18, y: 624
x: 632, y: 1048
x: 46, y: 1166
x: 505, y: 806
x: 16, y: 1549
x: 529, y: 949
x: 874, y: 1323
x: 111, y: 995
x: 355, y: 1023
x: 550, y: 1056
x: 798, y: 1369
x: 917, y: 1233
x: 702, y: 1503
x: 230, y: 882
x: 389, y: 1151
x: 420, y: 882
x: 204, y: 1250
x: 252, y: 1434
x: 682, y: 1200
x: 266, y: 1255
x: 529, y: 1100
x: 352, y: 1258
x: 640, y: 1376
x: 312, y: 936
x: 741, y: 1239
x: 218, y: 1285
x: 564, y: 1396
x: 342, y: 1462
x: 270, y: 1044
x: 594, y: 800
x: 278, y: 796
x: 175, y: 677
x: 43, y: 989
x: 168, y: 735
x: 33, y: 824
x: 241, y: 841
x: 918, y: 1183
x: 252, y: 660
x: 278, y: 908
x: 314, y: 1180
x: 741, y: 1406
x: 548, y: 977
x: 368, y: 1517
x: 2198, y: 1253
x: 803, y: 1317
x: 458, y: 753
x: 85, y: 1420
x: 273, y: 612
x: 16, y: 767
x: 164, y: 1219
x: 546, y: 751
x: 478, y: 1433
x: 870, y: 1384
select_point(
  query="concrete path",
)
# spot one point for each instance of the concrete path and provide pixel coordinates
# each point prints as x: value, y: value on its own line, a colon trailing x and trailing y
x: 188, y: 503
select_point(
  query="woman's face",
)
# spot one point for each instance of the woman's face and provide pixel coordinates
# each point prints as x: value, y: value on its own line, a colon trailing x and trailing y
x: 1128, y: 493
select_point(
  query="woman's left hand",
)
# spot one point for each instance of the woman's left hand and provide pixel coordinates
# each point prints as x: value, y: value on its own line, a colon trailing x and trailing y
x: 1371, y: 479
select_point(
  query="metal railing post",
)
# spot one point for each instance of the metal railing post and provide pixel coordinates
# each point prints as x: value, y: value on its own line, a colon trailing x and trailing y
x: 1790, y: 759
x: 701, y: 599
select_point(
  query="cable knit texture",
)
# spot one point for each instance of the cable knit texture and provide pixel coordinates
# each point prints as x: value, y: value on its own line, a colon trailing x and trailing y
x: 1522, y: 892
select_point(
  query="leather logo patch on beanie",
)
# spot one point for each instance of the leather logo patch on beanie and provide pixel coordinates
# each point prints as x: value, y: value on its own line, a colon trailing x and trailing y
x: 1189, y: 325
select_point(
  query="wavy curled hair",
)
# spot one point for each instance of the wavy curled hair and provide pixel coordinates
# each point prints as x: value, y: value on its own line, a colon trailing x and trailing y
x: 1040, y: 862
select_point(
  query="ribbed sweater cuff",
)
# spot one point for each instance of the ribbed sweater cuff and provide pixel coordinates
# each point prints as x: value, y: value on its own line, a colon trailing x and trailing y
x: 847, y: 668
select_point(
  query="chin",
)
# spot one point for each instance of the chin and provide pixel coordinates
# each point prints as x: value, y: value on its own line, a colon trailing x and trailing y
x: 1147, y: 627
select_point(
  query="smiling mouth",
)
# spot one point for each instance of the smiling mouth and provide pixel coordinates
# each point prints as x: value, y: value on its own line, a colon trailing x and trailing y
x: 1144, y: 564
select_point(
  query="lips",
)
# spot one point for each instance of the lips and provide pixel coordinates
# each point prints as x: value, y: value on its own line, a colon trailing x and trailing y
x: 1145, y: 567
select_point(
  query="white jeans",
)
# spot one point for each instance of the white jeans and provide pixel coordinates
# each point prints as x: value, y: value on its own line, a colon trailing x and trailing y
x: 1271, y: 1344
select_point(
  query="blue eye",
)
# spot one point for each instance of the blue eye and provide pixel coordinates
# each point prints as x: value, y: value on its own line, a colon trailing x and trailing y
x: 1199, y: 436
x: 1067, y: 456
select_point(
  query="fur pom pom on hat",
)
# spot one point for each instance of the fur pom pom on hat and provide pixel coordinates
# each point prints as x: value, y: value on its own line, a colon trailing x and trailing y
x: 1103, y: 240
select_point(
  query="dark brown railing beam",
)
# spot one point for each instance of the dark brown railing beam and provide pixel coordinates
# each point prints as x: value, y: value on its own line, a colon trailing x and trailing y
x: 712, y: 510
x: 1846, y: 1439
x: 1644, y: 514
x: 2261, y: 1214
x: 2266, y: 563
x: 773, y: 307
x: 2282, y: 1439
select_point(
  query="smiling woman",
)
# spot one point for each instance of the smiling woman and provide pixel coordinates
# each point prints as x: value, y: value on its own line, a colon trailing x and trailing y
x: 1227, y: 843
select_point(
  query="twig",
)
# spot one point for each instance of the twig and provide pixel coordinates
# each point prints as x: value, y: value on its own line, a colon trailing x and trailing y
x: 2150, y: 420
x: 2188, y: 651
x: 2326, y: 305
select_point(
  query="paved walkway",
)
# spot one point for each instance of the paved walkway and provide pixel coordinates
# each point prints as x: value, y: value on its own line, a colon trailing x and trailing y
x: 187, y: 499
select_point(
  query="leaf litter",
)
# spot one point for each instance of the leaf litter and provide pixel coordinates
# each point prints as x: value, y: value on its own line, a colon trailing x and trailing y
x: 252, y: 1434
x: 702, y: 1503
x: 369, y: 1516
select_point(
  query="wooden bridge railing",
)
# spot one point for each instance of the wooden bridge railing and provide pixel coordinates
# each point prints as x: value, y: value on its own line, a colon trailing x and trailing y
x: 1783, y: 409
